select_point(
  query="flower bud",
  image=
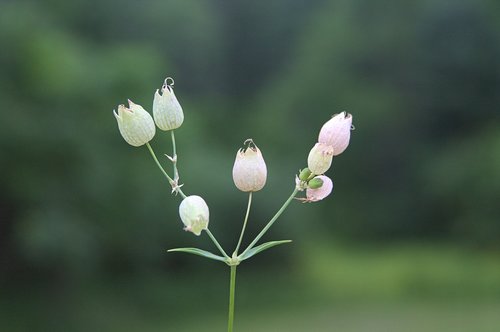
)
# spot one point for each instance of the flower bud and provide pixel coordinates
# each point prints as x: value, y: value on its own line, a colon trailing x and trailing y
x: 135, y: 124
x: 337, y: 132
x: 317, y: 194
x: 320, y: 158
x: 305, y: 174
x: 167, y: 111
x: 315, y: 183
x: 249, y: 170
x: 194, y: 214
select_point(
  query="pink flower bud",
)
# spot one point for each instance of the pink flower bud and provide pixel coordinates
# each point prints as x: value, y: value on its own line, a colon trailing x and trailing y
x: 249, y: 170
x: 314, y: 195
x: 320, y: 158
x: 337, y: 132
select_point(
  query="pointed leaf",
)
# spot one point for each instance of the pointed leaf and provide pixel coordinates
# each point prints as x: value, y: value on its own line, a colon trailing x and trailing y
x: 199, y: 252
x: 262, y: 247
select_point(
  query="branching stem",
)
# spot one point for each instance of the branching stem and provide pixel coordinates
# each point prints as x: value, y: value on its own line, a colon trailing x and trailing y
x: 271, y: 222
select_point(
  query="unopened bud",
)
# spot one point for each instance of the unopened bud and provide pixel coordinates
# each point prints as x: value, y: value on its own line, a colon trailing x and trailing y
x: 337, y: 132
x: 317, y: 194
x: 320, y: 158
x: 135, y: 124
x: 249, y: 170
x: 315, y: 183
x: 167, y: 111
x: 194, y: 214
x: 305, y: 174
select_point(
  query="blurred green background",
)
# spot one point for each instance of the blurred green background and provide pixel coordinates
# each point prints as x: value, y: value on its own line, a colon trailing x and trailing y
x: 409, y: 241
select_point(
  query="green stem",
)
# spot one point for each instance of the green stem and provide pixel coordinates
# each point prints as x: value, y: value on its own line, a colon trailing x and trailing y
x: 170, y: 180
x: 232, y: 286
x: 244, y: 224
x: 214, y: 240
x: 271, y: 222
x: 174, y: 157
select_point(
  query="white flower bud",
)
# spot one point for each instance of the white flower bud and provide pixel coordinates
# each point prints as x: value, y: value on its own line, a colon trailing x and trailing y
x: 194, y: 214
x: 314, y: 195
x: 320, y: 158
x: 167, y: 111
x: 135, y: 124
x: 249, y: 170
x: 337, y: 132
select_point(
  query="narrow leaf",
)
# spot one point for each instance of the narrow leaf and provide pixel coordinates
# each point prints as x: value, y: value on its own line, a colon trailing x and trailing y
x: 199, y: 252
x: 262, y: 247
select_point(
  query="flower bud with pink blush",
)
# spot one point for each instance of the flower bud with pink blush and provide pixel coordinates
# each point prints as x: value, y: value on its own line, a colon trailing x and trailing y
x: 249, y: 170
x: 320, y: 158
x: 314, y: 195
x: 337, y: 132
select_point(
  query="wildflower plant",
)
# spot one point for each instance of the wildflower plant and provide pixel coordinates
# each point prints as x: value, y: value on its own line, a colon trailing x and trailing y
x: 249, y: 174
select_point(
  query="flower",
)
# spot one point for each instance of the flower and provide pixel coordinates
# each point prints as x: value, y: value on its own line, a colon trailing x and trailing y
x: 167, y: 111
x: 135, y: 124
x: 249, y: 170
x: 194, y: 214
x: 317, y: 194
x: 320, y: 158
x: 337, y: 132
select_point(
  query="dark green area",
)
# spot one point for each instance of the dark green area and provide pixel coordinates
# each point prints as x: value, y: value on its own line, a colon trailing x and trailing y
x: 409, y: 240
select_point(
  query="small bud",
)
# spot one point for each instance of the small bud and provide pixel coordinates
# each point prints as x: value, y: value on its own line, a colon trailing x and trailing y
x: 305, y: 174
x: 135, y: 124
x: 249, y: 170
x: 317, y: 194
x: 337, y: 132
x: 167, y: 111
x: 315, y: 183
x: 194, y: 214
x: 320, y: 158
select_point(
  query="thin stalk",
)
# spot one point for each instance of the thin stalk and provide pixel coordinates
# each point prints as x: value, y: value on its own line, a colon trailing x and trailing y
x: 271, y: 222
x: 244, y: 224
x: 170, y: 180
x: 174, y: 156
x: 214, y: 240
x: 232, y: 286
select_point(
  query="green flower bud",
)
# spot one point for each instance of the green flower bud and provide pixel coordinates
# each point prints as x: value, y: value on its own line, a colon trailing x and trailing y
x: 315, y: 183
x: 167, y: 111
x: 305, y: 174
x: 194, y: 214
x: 135, y: 124
x: 320, y: 158
x: 314, y: 195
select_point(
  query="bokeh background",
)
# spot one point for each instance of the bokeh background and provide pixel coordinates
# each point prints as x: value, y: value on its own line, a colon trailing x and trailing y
x: 409, y: 240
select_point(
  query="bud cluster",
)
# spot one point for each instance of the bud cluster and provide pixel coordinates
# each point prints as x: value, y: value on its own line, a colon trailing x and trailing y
x: 137, y: 127
x: 333, y: 140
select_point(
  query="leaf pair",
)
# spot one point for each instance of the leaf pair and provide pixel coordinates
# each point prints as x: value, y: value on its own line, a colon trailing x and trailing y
x: 246, y: 254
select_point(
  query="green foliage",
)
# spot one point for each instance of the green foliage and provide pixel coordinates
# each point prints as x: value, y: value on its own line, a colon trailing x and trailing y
x: 264, y: 246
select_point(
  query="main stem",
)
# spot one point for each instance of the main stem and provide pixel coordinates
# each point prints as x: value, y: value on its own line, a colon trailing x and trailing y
x: 232, y: 286
x: 271, y: 222
x: 244, y: 224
